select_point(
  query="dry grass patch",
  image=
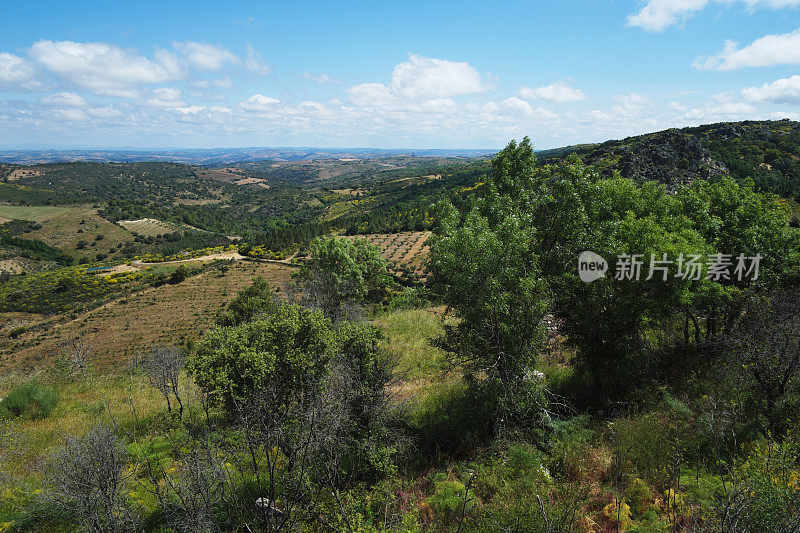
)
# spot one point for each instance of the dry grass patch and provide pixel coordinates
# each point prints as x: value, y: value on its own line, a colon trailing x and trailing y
x: 149, y: 227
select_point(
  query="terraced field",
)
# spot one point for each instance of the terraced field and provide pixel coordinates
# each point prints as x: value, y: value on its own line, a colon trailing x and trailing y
x: 407, y: 250
x: 168, y: 314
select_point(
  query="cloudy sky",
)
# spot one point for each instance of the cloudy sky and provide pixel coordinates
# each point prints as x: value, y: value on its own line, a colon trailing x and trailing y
x: 388, y: 74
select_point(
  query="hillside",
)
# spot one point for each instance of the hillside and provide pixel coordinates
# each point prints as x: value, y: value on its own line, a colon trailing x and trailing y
x: 766, y: 151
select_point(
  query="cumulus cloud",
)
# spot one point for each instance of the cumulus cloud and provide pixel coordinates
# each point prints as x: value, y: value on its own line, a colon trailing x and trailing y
x: 770, y: 50
x: 424, y: 77
x: 632, y: 100
x: 205, y: 56
x: 255, y: 64
x: 371, y: 95
x: 555, y: 92
x: 421, y: 81
x: 103, y: 68
x: 69, y: 114
x: 15, y: 72
x: 64, y: 99
x: 783, y: 91
x: 259, y: 102
x: 658, y: 15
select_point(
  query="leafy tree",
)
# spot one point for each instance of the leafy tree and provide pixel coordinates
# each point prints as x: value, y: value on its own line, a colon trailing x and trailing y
x: 288, y: 350
x: 485, y: 269
x: 250, y: 303
x: 340, y: 274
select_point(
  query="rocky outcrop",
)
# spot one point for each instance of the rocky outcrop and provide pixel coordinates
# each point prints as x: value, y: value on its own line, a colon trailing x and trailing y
x: 671, y: 157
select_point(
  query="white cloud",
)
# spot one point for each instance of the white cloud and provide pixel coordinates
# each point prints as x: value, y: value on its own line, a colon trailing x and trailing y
x: 555, y: 92
x: 104, y: 112
x: 64, y: 99
x: 103, y: 68
x: 658, y: 15
x: 191, y: 110
x: 259, y: 102
x: 783, y: 91
x: 69, y: 113
x: 425, y: 77
x: 421, y: 83
x: 632, y: 100
x: 516, y: 105
x: 319, y: 78
x: 783, y: 49
x: 371, y: 95
x: 167, y: 97
x: 16, y: 72
x: 255, y: 64
x: 205, y: 56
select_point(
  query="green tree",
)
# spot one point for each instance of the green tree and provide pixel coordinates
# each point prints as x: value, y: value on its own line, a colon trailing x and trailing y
x: 251, y: 302
x: 484, y: 267
x: 288, y: 350
x: 340, y: 275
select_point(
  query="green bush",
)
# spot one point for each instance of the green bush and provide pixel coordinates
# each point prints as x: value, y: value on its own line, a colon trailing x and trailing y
x: 448, y: 499
x: 31, y: 401
x: 767, y: 493
x: 409, y: 298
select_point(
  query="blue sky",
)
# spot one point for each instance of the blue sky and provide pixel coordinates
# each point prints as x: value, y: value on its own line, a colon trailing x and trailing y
x: 388, y: 74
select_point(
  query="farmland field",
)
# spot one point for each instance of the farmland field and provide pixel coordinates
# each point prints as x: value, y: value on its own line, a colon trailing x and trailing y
x: 170, y: 314
x: 406, y: 250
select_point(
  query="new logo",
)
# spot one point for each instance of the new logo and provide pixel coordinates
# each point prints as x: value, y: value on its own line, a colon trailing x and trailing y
x: 591, y: 266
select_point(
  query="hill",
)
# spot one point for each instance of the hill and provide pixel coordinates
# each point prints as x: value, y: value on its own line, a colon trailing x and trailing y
x: 766, y: 151
x: 219, y: 156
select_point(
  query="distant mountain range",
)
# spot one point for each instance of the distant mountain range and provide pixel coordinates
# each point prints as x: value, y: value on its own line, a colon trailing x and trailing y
x: 219, y: 156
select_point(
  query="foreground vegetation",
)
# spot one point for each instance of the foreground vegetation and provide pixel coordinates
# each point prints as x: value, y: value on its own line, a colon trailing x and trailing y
x: 499, y: 393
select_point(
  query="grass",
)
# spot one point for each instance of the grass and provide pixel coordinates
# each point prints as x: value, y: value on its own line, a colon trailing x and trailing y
x: 113, y: 398
x: 409, y: 334
x: 35, y: 213
x: 80, y: 224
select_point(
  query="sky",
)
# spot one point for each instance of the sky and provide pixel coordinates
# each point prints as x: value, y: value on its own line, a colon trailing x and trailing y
x: 467, y: 74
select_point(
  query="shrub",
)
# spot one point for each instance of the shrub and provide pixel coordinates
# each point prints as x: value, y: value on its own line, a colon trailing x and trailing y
x: 767, y: 495
x: 647, y: 446
x: 31, y: 401
x: 448, y: 499
x: 409, y: 298
x: 251, y: 302
x: 16, y: 332
x: 179, y: 275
